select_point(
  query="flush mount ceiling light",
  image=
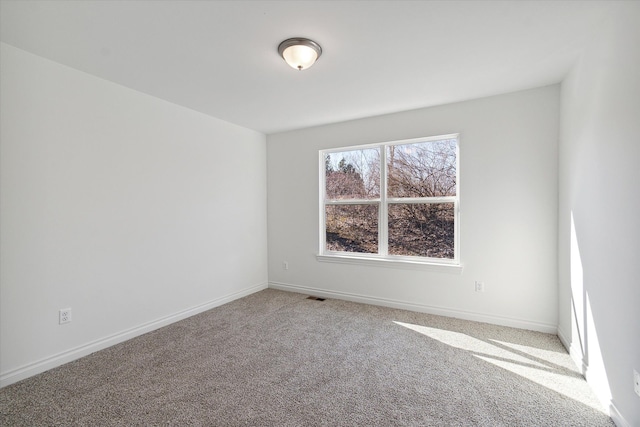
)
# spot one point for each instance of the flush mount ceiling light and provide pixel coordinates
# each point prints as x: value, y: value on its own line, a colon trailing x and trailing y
x: 300, y: 53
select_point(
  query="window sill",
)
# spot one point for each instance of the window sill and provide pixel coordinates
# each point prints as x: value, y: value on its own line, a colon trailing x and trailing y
x: 392, y: 263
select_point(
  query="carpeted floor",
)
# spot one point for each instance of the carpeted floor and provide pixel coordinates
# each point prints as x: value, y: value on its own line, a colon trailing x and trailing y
x: 278, y: 359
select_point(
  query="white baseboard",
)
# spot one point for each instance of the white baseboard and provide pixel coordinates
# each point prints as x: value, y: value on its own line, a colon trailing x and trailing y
x: 574, y: 351
x: 564, y: 340
x: 616, y: 417
x: 59, y: 359
x: 440, y: 311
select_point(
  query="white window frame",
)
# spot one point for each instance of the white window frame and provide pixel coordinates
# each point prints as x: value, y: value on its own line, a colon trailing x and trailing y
x: 382, y: 258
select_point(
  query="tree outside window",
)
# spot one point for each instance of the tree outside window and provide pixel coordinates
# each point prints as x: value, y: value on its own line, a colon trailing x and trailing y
x: 396, y: 199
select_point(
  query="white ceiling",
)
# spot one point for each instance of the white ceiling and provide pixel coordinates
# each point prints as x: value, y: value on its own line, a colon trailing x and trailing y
x: 220, y: 57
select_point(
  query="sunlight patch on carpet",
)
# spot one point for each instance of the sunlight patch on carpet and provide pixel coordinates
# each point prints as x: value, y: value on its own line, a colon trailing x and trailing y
x: 537, y: 365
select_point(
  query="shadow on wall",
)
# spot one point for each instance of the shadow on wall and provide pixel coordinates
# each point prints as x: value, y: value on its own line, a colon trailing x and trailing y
x: 585, y: 345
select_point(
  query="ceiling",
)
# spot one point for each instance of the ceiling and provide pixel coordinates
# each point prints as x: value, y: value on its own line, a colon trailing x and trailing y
x: 220, y: 57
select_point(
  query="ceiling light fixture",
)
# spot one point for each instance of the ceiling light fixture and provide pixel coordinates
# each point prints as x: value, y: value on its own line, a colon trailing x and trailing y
x: 300, y: 53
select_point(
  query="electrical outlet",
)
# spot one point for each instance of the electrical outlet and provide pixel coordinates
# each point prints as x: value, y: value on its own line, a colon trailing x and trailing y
x: 285, y: 265
x: 479, y: 286
x: 636, y: 382
x: 65, y: 315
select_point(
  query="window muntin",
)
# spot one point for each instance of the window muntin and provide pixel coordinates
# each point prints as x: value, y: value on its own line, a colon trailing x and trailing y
x: 396, y: 200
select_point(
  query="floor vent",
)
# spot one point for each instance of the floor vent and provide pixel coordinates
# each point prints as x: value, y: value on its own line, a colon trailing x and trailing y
x: 316, y: 298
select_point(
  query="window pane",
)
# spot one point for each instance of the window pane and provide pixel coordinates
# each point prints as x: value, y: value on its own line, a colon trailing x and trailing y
x: 425, y: 229
x: 424, y: 169
x: 352, y: 228
x: 353, y: 174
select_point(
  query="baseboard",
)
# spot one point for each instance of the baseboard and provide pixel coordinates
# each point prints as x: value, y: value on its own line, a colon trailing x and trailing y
x: 59, y: 359
x: 576, y: 354
x: 440, y: 311
x: 574, y: 351
x: 616, y: 417
x: 564, y: 340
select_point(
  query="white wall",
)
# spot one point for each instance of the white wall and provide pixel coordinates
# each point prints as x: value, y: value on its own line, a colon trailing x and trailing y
x: 130, y: 210
x: 508, y: 188
x: 599, y: 216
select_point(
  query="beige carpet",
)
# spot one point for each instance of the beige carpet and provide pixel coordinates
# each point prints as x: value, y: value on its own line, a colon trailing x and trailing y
x: 278, y: 359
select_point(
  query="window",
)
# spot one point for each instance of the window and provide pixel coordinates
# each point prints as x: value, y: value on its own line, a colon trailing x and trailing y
x: 396, y: 201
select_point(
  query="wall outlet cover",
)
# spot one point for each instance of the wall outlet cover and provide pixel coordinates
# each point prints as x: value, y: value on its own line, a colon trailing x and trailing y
x: 64, y: 316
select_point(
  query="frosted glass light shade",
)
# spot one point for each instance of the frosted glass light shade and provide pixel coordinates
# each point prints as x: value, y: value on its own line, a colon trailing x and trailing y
x: 299, y: 56
x: 300, y: 53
